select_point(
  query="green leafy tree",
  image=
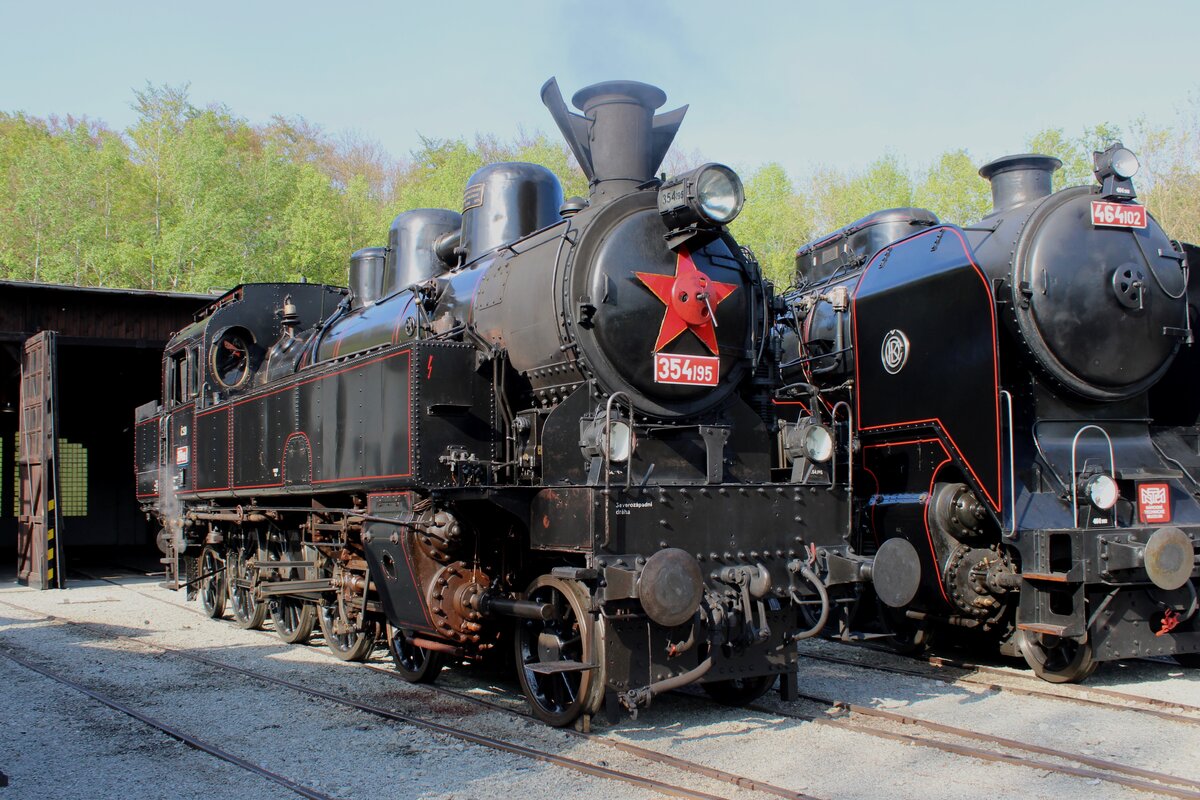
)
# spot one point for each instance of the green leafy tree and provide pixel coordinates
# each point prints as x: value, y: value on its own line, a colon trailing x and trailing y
x: 953, y: 190
x: 773, y: 223
x: 840, y: 199
x: 161, y: 112
x: 316, y: 242
x: 1075, y: 153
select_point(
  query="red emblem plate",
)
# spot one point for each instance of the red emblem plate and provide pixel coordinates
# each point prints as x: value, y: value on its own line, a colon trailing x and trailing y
x: 1154, y: 503
x: 690, y: 370
x: 181, y: 455
x: 1118, y: 215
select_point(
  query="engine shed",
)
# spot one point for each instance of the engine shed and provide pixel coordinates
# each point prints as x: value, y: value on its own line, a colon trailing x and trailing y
x: 74, y: 363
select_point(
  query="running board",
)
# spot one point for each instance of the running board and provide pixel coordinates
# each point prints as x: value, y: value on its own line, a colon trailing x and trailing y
x: 555, y: 667
x: 854, y: 636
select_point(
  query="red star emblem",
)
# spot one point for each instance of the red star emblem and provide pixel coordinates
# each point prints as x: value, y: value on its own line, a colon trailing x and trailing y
x: 691, y: 298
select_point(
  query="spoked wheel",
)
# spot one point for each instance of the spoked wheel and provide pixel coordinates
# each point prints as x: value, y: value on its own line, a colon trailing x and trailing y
x: 1055, y: 659
x: 293, y: 618
x: 341, y: 635
x: 248, y: 611
x: 415, y: 664
x: 352, y: 645
x: 739, y: 691
x: 212, y: 583
x: 559, y: 696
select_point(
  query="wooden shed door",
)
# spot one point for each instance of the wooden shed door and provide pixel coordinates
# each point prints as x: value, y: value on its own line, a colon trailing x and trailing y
x: 39, y: 545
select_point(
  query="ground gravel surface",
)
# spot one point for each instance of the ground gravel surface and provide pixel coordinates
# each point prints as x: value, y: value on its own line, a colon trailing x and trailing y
x: 57, y: 742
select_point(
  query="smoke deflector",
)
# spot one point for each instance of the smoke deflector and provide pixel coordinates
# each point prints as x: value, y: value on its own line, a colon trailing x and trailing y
x: 618, y: 140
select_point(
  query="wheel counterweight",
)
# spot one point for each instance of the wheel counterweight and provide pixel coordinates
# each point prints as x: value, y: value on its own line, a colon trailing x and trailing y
x: 415, y: 664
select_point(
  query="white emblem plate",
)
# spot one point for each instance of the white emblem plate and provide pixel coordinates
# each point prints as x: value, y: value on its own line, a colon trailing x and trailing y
x: 894, y: 352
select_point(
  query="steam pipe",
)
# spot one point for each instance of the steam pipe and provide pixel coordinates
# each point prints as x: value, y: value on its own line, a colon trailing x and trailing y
x: 811, y: 577
x: 642, y: 696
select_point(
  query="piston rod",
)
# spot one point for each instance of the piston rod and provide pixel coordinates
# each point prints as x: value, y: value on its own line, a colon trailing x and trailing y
x: 522, y: 609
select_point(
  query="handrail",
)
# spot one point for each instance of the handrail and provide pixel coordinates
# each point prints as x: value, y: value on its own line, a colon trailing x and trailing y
x: 606, y: 444
x: 1012, y: 467
x: 849, y: 458
x: 1112, y: 467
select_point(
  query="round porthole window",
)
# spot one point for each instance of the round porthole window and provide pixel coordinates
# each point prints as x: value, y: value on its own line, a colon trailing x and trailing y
x: 229, y: 358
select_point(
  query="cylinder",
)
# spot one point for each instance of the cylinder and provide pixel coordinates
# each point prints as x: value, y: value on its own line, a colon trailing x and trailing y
x: 366, y: 276
x: 1018, y: 179
x: 506, y: 201
x: 411, y: 258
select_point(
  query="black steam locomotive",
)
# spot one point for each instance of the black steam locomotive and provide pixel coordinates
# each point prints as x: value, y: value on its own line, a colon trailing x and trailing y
x: 545, y: 420
x: 1024, y: 451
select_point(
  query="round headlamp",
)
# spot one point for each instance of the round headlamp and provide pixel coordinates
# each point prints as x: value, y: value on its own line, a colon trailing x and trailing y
x: 1101, y: 491
x: 619, y: 442
x: 719, y: 191
x: 1125, y: 163
x: 709, y: 195
x: 1113, y: 166
x: 818, y: 443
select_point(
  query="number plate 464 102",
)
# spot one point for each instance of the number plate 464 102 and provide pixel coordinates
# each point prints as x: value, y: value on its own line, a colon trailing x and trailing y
x: 1118, y: 215
x: 691, y: 370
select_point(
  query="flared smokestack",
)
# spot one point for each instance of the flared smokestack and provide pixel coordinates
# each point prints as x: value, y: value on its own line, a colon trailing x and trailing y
x: 1019, y: 179
x: 618, y: 140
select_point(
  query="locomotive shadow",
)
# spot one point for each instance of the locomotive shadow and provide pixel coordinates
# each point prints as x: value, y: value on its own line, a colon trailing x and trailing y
x: 1122, y: 674
x: 689, y: 714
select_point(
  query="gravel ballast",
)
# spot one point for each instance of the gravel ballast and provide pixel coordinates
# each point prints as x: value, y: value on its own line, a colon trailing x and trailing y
x: 57, y: 742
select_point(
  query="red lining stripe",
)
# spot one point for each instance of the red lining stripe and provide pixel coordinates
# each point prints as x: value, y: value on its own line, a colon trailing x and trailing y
x: 993, y: 501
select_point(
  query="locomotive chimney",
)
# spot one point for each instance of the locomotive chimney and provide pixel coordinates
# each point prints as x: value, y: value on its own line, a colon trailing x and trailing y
x: 1019, y: 179
x: 618, y: 141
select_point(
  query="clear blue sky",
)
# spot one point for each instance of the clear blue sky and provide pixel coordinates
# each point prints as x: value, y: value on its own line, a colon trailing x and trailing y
x: 806, y: 84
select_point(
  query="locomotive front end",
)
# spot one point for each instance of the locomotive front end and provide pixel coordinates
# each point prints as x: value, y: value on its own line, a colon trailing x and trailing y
x: 1021, y: 415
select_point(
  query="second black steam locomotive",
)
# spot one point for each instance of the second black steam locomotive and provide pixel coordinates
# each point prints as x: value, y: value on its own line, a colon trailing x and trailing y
x: 1024, y: 446
x: 541, y: 425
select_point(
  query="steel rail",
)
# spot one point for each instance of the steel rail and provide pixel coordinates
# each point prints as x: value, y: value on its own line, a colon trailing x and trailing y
x: 991, y: 756
x: 942, y: 661
x: 647, y: 753
x: 1001, y: 687
x: 1137, y: 778
x: 170, y: 730
x: 420, y: 722
x: 1012, y: 744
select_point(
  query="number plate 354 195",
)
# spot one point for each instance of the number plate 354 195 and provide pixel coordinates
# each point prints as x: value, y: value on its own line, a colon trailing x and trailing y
x: 690, y: 370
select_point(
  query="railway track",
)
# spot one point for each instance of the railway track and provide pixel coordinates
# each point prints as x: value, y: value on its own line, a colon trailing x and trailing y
x: 1149, y: 706
x: 942, y: 662
x: 189, y: 739
x: 652, y: 784
x: 1101, y: 770
x: 1093, y: 768
x: 983, y: 747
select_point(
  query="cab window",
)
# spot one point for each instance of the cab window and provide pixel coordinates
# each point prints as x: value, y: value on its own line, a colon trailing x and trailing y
x: 183, y: 378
